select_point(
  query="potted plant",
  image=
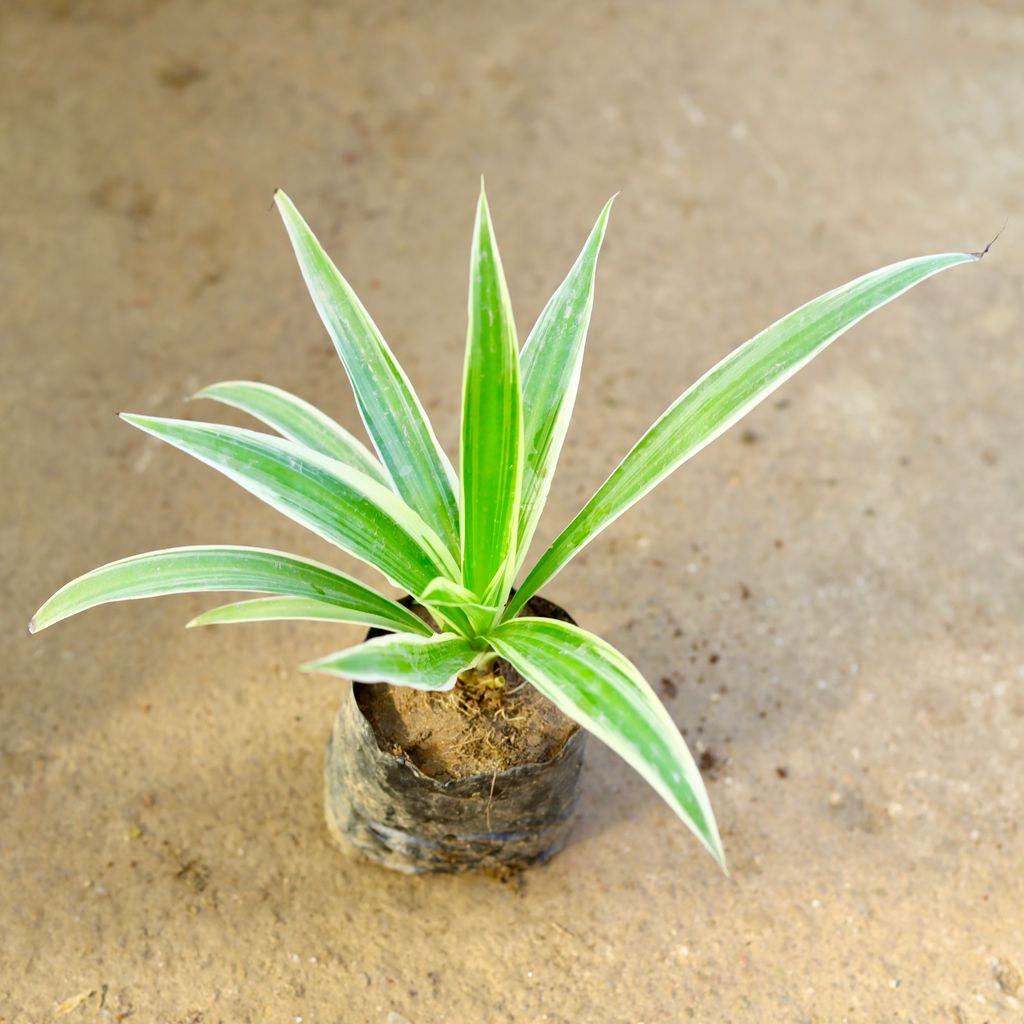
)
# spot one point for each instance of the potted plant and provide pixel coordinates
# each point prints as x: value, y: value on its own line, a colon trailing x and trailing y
x: 460, y: 744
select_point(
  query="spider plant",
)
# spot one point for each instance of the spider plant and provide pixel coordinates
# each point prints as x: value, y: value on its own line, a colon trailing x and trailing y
x: 456, y: 541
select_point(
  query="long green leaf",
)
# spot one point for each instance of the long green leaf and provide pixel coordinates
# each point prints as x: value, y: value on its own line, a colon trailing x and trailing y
x: 422, y: 664
x: 596, y: 686
x: 394, y: 418
x: 220, y: 568
x: 276, y: 609
x: 492, y: 426
x: 551, y: 362
x: 725, y: 394
x: 297, y: 420
x: 335, y: 501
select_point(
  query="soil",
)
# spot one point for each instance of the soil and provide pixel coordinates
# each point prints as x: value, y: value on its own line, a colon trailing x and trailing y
x: 163, y: 852
x: 488, y: 723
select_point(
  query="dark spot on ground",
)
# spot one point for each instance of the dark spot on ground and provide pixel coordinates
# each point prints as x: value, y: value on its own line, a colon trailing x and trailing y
x: 782, y: 772
x: 668, y: 687
x: 512, y: 875
x: 744, y: 592
x: 127, y: 198
x: 207, y: 280
x: 713, y: 658
x: 778, y: 543
x: 749, y: 436
x: 195, y: 875
x: 708, y: 761
x: 178, y: 75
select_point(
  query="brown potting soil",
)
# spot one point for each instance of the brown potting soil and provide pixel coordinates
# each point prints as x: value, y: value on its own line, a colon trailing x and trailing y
x: 490, y: 722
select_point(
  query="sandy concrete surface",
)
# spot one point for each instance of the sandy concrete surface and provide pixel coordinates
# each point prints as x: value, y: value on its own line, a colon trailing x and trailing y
x: 830, y: 596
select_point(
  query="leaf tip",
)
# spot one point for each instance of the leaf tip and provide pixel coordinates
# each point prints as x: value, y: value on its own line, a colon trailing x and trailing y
x: 713, y: 842
x: 43, y: 618
x: 606, y: 212
x: 285, y: 207
x: 209, y: 391
x: 483, y: 213
x: 718, y: 852
x: 983, y: 252
x: 135, y: 420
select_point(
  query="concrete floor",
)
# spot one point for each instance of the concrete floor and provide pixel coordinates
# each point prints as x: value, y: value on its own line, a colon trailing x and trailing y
x: 853, y: 557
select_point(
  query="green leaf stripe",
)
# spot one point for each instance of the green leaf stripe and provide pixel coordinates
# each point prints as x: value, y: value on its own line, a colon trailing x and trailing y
x: 596, y: 686
x: 394, y: 417
x: 724, y: 395
x: 297, y: 420
x: 285, y: 609
x: 492, y: 427
x: 551, y: 362
x: 422, y: 664
x: 222, y: 568
x: 335, y: 501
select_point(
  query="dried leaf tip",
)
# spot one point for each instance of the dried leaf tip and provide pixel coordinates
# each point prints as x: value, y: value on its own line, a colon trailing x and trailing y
x: 981, y: 254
